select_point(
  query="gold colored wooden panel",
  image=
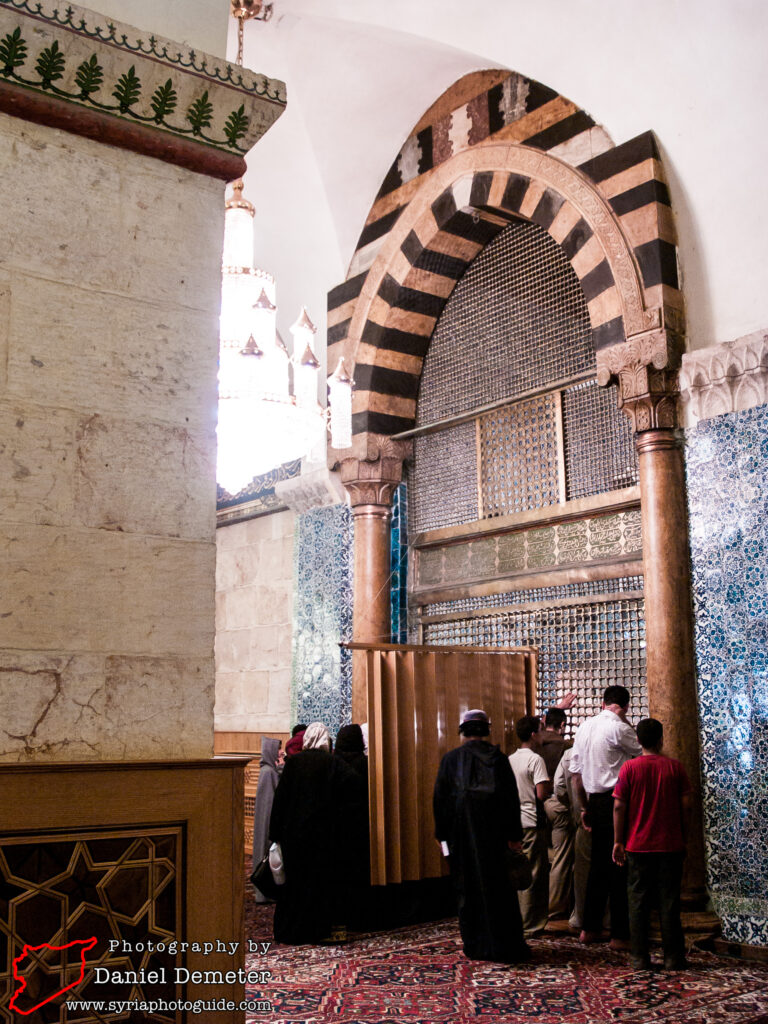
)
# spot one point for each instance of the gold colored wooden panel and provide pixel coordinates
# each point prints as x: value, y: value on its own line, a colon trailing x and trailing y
x: 416, y: 696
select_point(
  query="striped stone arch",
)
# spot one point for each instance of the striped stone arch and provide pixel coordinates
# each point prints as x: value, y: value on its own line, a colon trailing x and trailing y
x: 610, y: 214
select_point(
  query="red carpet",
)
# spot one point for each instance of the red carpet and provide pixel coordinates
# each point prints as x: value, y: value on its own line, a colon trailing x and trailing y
x: 418, y: 975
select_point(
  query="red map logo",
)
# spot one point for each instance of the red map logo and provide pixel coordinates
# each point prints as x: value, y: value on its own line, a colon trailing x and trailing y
x: 86, y: 944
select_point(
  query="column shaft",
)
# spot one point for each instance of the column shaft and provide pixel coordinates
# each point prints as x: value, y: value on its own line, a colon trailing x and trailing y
x: 671, y: 668
x: 371, y: 609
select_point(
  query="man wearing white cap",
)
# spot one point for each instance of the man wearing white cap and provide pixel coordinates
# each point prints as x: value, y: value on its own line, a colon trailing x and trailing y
x: 477, y: 818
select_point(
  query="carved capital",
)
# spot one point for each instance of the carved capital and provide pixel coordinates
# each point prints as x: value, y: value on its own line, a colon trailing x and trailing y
x: 372, y: 470
x: 645, y: 369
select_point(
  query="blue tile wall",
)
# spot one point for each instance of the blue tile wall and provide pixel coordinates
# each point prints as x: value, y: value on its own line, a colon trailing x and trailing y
x: 398, y: 565
x: 727, y: 466
x: 321, y: 685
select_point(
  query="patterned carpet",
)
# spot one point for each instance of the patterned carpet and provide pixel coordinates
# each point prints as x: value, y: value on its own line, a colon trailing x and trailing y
x: 418, y: 975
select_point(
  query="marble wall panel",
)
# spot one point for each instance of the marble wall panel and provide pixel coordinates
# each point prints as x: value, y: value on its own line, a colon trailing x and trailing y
x: 144, y: 478
x: 95, y: 590
x: 109, y: 296
x: 322, y: 671
x: 727, y: 466
x: 254, y: 606
x: 138, y: 360
x: 37, y: 456
x: 92, y: 707
x: 5, y: 316
x: 134, y: 234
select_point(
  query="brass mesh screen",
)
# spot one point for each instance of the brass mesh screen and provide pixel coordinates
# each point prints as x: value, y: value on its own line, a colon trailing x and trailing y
x: 516, y: 320
x: 583, y: 647
x: 445, y: 466
x: 519, y: 457
x: 600, y: 452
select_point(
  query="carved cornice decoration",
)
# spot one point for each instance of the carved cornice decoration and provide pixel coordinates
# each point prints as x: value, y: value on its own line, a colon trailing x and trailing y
x: 645, y: 368
x: 725, y: 378
x: 316, y: 488
x: 73, y: 69
x: 371, y: 470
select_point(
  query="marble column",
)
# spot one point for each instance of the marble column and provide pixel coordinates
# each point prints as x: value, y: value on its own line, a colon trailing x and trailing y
x: 645, y: 368
x: 370, y: 474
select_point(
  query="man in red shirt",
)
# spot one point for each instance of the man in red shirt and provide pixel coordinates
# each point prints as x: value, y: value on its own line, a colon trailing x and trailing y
x: 652, y: 801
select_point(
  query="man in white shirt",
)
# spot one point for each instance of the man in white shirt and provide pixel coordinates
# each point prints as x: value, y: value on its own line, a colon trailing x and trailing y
x: 602, y: 745
x: 533, y: 787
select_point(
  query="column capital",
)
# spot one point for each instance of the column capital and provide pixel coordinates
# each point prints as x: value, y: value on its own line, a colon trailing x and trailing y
x: 371, y: 471
x: 645, y: 367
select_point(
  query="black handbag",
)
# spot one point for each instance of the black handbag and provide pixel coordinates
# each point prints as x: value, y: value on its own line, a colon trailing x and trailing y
x: 262, y: 879
x: 519, y: 870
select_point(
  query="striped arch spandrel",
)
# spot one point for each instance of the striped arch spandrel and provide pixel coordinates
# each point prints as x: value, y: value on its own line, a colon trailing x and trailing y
x: 462, y: 206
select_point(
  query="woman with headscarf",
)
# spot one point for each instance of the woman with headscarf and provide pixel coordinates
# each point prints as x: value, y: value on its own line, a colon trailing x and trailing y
x: 317, y: 796
x: 269, y: 776
x: 350, y: 748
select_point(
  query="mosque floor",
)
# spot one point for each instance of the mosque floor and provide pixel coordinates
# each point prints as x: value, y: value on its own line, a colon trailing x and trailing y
x: 419, y: 975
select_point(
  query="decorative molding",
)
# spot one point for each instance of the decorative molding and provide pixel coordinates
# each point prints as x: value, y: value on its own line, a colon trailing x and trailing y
x: 257, y: 498
x: 371, y: 470
x: 645, y: 368
x: 313, y: 488
x: 595, y: 540
x: 77, y: 70
x: 725, y: 378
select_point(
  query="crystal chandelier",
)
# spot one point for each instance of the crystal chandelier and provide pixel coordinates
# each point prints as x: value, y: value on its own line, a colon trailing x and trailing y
x: 261, y: 423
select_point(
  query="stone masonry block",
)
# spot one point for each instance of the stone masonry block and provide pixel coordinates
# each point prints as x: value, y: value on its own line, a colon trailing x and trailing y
x: 37, y: 456
x: 140, y: 361
x: 144, y: 478
x: 79, y: 707
x: 148, y: 229
x: 74, y: 590
x: 233, y: 649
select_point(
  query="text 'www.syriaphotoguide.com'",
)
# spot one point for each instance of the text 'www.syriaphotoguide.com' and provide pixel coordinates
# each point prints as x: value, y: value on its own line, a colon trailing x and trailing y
x: 166, y: 1005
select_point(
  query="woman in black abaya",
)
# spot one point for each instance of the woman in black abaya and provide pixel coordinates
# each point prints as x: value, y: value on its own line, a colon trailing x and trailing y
x: 316, y: 799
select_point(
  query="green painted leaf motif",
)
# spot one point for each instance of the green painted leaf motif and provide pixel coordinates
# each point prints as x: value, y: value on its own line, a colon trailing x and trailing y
x: 236, y: 125
x: 128, y: 89
x: 164, y: 101
x: 89, y: 77
x: 13, y: 51
x: 199, y: 113
x: 50, y: 64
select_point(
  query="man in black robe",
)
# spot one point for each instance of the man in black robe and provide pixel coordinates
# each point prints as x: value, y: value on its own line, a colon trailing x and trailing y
x: 477, y: 814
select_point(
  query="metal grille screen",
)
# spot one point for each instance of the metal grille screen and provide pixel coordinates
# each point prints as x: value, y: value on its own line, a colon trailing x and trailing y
x: 445, y: 466
x: 584, y: 646
x: 516, y: 320
x: 599, y: 447
x: 518, y: 455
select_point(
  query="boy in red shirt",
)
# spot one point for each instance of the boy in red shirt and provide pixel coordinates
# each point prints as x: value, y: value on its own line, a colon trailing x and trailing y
x: 652, y: 800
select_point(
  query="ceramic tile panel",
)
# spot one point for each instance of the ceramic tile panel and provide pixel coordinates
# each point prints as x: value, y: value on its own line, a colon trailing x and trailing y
x: 727, y: 466
x: 399, y: 566
x: 321, y: 686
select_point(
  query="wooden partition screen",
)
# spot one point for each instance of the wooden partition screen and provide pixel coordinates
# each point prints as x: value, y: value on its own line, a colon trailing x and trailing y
x: 416, y: 696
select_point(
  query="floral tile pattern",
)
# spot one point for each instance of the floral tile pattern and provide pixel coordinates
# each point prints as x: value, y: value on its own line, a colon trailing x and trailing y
x: 321, y: 686
x: 727, y: 465
x: 399, y: 566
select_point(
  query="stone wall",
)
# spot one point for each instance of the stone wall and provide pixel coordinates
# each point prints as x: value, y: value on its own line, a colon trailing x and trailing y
x: 108, y: 346
x: 254, y: 609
